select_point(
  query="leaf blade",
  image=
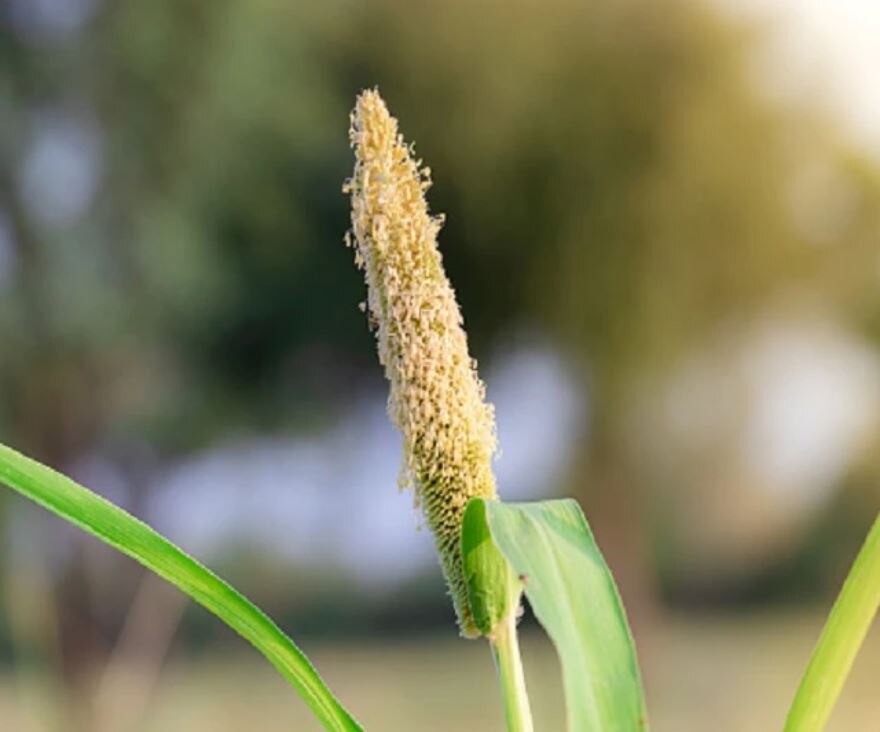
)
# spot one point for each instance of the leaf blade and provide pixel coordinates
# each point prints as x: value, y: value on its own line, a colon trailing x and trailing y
x: 572, y: 593
x: 842, y: 637
x: 115, y: 527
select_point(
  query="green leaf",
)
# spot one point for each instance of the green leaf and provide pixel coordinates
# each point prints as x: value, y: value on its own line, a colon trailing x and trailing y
x: 571, y: 591
x: 492, y: 584
x: 493, y: 595
x: 840, y: 641
x: 112, y: 525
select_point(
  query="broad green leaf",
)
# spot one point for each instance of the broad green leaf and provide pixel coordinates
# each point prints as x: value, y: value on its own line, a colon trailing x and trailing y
x: 571, y: 591
x: 112, y: 525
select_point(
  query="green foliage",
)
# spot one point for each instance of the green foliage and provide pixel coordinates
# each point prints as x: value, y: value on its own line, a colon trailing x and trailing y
x: 115, y: 527
x: 551, y: 549
x: 844, y: 632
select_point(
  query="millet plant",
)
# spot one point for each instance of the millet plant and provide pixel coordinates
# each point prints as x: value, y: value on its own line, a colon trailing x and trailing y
x: 491, y: 552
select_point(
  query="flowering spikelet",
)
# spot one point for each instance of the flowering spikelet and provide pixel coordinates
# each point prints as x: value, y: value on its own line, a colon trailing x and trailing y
x: 436, y: 399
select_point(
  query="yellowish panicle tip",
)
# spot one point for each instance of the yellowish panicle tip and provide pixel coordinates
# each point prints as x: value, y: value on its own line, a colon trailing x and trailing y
x: 436, y: 398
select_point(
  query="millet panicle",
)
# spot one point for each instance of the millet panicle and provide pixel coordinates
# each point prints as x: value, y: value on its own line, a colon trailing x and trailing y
x: 436, y: 397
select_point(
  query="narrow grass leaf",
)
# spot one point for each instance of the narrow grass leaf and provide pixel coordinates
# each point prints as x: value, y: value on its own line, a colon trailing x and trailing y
x: 115, y: 527
x: 571, y: 591
x: 844, y: 632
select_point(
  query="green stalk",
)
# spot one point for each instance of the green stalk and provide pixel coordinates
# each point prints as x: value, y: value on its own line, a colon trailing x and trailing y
x: 841, y: 638
x: 505, y: 652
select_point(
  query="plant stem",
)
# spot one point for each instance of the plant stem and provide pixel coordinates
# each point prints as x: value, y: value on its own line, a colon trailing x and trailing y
x: 841, y: 638
x: 505, y: 652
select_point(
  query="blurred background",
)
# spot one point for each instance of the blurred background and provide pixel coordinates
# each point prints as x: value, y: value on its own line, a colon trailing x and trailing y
x: 663, y: 231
